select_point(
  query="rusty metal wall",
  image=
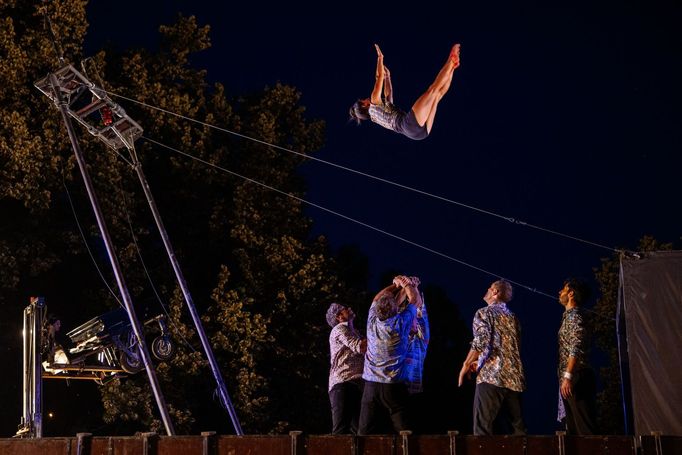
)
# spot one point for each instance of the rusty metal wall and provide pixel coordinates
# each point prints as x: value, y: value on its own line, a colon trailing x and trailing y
x: 297, y: 444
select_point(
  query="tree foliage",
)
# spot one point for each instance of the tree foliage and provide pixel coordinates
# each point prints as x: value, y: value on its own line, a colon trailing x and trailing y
x: 244, y: 247
x: 260, y: 281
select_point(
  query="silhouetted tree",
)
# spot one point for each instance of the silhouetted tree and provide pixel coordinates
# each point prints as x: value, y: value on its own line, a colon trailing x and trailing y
x: 260, y: 281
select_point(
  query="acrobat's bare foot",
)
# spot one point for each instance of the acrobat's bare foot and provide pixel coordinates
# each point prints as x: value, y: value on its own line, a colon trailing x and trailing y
x: 454, y: 55
x: 379, y: 53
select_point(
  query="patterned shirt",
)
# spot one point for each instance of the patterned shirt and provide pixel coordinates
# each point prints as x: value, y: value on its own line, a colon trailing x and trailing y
x: 497, y: 335
x: 416, y: 352
x: 346, y: 359
x: 386, y: 114
x: 387, y: 345
x: 574, y: 339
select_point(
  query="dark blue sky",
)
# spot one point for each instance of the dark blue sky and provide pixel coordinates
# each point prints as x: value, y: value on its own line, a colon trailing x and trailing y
x: 567, y: 118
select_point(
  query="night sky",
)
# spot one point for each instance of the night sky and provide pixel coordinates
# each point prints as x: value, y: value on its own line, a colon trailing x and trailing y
x: 565, y: 118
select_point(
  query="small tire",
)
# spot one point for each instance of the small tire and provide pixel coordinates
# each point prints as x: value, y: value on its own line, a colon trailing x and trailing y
x: 163, y: 348
x: 131, y: 364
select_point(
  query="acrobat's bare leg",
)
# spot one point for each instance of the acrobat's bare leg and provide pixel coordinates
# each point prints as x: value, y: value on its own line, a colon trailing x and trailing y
x: 425, y: 107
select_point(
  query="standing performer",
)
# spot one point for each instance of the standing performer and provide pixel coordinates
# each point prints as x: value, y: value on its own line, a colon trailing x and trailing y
x: 577, y: 406
x: 347, y: 350
x: 417, y: 123
x: 495, y: 355
x: 388, y: 331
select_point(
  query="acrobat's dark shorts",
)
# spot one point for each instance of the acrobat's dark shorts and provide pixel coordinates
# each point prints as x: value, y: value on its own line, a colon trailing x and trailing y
x: 408, y: 126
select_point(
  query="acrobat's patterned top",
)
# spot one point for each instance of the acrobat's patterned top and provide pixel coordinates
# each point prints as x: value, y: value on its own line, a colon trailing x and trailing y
x: 386, y: 114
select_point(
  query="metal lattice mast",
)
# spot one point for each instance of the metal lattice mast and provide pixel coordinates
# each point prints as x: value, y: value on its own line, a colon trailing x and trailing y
x: 118, y: 130
x: 69, y: 82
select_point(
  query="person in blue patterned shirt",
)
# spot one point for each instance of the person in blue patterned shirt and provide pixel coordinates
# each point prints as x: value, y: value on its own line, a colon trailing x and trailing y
x: 385, y: 375
x: 417, y: 123
x: 495, y: 355
x: 577, y: 389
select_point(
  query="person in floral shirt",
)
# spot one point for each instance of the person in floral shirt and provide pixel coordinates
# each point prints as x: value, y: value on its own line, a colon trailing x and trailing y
x: 495, y: 356
x: 577, y: 381
x: 347, y: 356
x: 385, y: 372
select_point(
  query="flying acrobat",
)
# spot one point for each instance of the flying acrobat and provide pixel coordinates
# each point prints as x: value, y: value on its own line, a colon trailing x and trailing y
x: 417, y: 123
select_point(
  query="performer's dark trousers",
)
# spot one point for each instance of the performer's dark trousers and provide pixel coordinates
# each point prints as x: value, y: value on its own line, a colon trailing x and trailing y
x: 417, y: 406
x: 379, y: 398
x: 581, y: 409
x: 491, y: 401
x: 345, y: 400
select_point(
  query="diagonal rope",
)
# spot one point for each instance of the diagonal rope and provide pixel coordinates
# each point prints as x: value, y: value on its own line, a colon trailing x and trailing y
x: 370, y: 176
x: 348, y: 218
x: 85, y: 242
x: 146, y: 270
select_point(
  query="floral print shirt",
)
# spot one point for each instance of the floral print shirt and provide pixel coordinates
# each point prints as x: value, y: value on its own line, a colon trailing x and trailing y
x: 346, y: 358
x: 573, y: 340
x: 385, y: 114
x: 387, y: 345
x: 497, y: 338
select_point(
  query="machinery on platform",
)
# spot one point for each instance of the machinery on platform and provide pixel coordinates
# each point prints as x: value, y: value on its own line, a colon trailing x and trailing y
x: 101, y: 349
x: 109, y: 340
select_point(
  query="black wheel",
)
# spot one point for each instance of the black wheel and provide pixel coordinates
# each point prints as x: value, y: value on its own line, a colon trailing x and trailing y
x: 131, y: 362
x: 129, y: 355
x: 163, y: 348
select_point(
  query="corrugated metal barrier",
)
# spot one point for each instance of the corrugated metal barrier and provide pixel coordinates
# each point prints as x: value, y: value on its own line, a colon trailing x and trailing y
x: 296, y: 443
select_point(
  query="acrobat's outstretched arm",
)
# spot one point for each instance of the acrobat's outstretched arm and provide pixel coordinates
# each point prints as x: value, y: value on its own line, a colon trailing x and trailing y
x: 379, y: 78
x: 388, y: 86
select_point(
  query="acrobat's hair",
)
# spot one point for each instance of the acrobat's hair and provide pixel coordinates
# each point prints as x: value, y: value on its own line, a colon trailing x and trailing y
x: 358, y: 112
